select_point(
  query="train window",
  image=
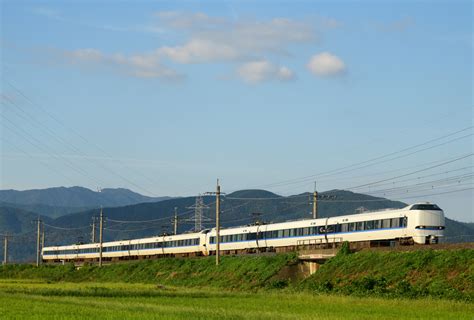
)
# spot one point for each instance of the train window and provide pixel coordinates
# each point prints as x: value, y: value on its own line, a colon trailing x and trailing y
x: 360, y: 225
x: 395, y: 223
x: 344, y: 227
x: 352, y: 226
x: 425, y: 207
x: 386, y: 223
x: 369, y: 225
x: 378, y: 224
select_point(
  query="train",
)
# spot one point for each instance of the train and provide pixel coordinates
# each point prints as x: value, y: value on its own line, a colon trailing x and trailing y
x: 419, y: 223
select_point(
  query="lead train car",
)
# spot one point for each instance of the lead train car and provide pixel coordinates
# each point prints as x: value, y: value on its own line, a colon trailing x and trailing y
x: 420, y: 223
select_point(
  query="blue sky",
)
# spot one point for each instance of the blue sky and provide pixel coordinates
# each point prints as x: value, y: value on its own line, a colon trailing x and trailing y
x: 163, y: 98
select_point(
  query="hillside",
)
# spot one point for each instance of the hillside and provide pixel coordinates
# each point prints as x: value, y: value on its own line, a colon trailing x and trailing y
x: 238, y: 208
x: 55, y: 202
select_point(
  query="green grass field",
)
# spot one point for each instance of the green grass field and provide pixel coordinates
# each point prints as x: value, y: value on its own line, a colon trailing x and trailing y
x: 34, y: 299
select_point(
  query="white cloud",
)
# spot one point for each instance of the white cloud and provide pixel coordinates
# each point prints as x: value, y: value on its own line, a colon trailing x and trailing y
x: 263, y: 70
x: 249, y: 44
x: 182, y: 20
x: 140, y: 65
x: 200, y: 51
x: 326, y: 64
x: 219, y: 39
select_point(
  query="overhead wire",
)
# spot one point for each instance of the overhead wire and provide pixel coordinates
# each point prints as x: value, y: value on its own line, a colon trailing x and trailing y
x: 71, y: 146
x: 40, y: 145
x: 32, y: 157
x: 81, y: 136
x: 411, y: 173
x: 341, y: 169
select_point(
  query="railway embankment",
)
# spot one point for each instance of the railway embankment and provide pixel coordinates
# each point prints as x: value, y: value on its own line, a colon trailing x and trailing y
x: 444, y: 273
x: 440, y: 273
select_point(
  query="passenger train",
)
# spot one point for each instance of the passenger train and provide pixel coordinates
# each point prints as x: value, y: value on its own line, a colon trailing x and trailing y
x: 420, y: 223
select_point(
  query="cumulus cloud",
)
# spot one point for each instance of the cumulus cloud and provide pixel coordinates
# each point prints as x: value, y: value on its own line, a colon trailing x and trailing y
x: 326, y: 64
x: 200, y: 51
x: 219, y: 39
x: 248, y: 45
x: 263, y: 70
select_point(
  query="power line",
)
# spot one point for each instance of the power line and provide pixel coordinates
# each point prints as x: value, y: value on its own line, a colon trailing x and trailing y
x: 410, y: 173
x: 426, y: 176
x: 42, y: 162
x: 432, y: 182
x: 38, y: 144
x: 72, y: 147
x: 145, y: 221
x: 339, y: 170
x: 384, y: 172
x: 88, y: 142
x: 436, y: 194
x: 63, y: 228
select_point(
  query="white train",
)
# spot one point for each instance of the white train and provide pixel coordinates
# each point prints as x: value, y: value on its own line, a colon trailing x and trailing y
x: 420, y: 223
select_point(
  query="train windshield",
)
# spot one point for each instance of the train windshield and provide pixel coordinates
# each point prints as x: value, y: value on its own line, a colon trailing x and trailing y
x: 425, y: 207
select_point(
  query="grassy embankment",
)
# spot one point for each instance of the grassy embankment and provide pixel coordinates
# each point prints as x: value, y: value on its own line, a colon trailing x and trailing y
x: 246, y: 287
x: 243, y: 273
x: 427, y: 273
x: 445, y: 274
x: 20, y: 299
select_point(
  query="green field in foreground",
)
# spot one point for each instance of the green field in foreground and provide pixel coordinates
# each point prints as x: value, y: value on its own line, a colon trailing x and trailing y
x: 41, y: 300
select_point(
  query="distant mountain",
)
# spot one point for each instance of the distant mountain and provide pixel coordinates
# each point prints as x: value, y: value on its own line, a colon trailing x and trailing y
x: 18, y: 221
x: 45, y: 210
x: 238, y: 208
x: 58, y: 201
x: 20, y: 224
x: 459, y: 231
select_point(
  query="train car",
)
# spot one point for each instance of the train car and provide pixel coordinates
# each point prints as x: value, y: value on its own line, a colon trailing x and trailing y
x: 420, y: 223
x: 187, y: 244
x: 417, y: 223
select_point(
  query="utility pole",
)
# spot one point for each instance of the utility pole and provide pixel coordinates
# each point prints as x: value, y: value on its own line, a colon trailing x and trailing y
x: 93, y: 229
x: 5, y: 248
x: 101, y: 227
x: 38, y: 244
x: 42, y: 238
x: 315, y: 202
x: 218, y: 211
x: 175, y: 221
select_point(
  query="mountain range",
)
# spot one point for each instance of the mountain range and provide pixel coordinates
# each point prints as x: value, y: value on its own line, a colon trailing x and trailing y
x: 55, y: 202
x: 133, y: 220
